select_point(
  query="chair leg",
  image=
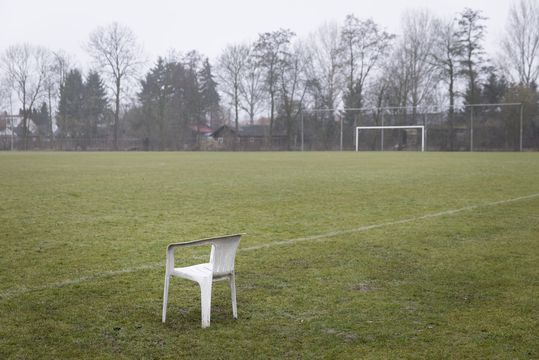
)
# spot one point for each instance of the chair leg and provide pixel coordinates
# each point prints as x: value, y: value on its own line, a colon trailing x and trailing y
x: 205, y: 301
x: 165, y: 297
x: 232, y: 283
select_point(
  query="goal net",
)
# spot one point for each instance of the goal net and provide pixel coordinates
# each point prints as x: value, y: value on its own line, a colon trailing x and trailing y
x: 384, y: 138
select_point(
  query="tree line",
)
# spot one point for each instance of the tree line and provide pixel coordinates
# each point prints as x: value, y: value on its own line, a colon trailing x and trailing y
x: 357, y: 64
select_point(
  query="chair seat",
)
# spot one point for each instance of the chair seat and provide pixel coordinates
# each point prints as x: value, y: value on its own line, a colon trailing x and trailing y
x: 195, y: 272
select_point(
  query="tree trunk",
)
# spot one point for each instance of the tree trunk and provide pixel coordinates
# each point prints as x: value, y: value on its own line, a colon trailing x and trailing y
x: 251, y: 113
x: 236, y: 108
x: 272, y: 108
x: 51, y: 130
x: 117, y: 114
x: 451, y: 110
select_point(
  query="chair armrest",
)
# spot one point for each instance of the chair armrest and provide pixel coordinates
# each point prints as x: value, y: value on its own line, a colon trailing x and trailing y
x: 201, y: 242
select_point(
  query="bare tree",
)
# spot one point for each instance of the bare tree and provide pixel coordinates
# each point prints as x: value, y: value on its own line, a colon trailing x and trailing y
x: 5, y: 94
x: 293, y: 87
x: 252, y: 87
x: 324, y: 65
x: 51, y: 91
x: 58, y: 68
x: 272, y: 49
x: 376, y: 95
x: 115, y: 50
x: 470, y: 34
x: 231, y: 66
x: 520, y: 45
x: 25, y: 67
x: 418, y: 42
x: 363, y: 43
x: 396, y: 77
x: 445, y: 58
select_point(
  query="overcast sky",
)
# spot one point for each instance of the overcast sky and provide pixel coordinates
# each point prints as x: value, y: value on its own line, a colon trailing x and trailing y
x: 208, y: 26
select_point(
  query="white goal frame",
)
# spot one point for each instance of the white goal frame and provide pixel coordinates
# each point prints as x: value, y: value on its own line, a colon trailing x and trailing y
x: 391, y: 127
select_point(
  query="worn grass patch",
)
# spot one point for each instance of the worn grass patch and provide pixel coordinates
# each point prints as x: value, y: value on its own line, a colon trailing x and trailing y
x: 83, y: 239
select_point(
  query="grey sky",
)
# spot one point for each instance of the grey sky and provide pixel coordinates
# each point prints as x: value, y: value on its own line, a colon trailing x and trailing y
x: 208, y: 26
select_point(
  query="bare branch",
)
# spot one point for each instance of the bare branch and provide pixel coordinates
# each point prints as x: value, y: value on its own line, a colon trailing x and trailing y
x: 520, y: 45
x: 116, y: 52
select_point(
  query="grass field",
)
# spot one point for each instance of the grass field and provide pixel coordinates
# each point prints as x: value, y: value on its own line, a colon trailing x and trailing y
x: 347, y: 255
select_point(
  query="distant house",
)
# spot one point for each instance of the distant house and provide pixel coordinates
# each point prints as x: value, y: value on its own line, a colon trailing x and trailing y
x: 4, y: 127
x: 5, y: 133
x: 250, y: 138
x: 199, y: 136
x: 201, y: 129
x: 11, y: 129
x: 7, y: 121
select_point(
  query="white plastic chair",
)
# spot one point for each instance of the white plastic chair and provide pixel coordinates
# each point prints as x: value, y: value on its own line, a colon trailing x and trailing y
x: 220, y: 267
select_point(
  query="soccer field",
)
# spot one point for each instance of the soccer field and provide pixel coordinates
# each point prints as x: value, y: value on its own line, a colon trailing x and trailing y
x: 347, y: 255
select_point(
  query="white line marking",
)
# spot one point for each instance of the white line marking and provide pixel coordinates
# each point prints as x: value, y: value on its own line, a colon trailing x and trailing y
x: 23, y: 290
x: 389, y: 223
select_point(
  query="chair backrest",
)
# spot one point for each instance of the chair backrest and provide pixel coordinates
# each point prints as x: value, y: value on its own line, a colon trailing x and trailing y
x: 223, y: 254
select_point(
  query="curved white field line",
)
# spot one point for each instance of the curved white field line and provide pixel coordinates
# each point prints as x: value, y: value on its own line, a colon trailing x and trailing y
x: 23, y: 290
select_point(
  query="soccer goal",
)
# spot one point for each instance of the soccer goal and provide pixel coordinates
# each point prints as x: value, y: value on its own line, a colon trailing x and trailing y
x: 399, y: 140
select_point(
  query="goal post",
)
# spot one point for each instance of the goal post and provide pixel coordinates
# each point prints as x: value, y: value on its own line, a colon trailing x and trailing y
x: 382, y: 128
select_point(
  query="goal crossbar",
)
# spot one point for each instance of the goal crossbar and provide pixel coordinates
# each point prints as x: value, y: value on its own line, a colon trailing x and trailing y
x: 391, y: 127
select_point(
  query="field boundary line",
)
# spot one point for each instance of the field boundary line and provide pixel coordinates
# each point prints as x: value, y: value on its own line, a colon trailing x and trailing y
x: 389, y: 223
x: 9, y: 293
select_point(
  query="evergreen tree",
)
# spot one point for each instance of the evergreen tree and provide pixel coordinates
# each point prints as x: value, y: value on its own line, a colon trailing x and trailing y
x: 41, y: 119
x: 69, y: 117
x: 208, y: 92
x: 171, y: 99
x: 494, y: 89
x: 94, y: 105
x: 155, y: 98
x: 82, y: 107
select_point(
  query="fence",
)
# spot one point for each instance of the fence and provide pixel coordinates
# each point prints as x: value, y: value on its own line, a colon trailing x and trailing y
x: 68, y: 144
x: 484, y: 127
